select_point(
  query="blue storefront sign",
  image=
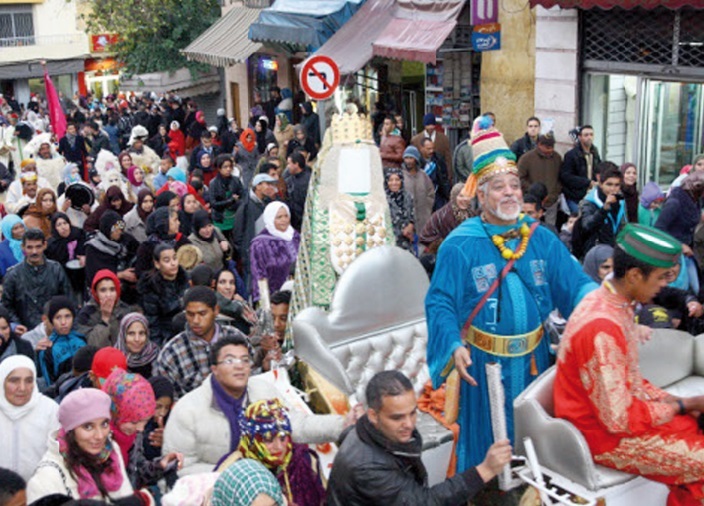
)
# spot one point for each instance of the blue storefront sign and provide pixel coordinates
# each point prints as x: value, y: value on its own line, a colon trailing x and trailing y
x: 486, y: 37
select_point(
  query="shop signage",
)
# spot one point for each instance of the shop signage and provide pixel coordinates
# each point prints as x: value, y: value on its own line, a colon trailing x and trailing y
x: 101, y: 42
x: 319, y: 77
x: 486, y: 37
x: 484, y: 12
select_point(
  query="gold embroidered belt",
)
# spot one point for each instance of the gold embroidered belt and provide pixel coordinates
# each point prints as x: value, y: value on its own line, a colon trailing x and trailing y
x: 504, y: 346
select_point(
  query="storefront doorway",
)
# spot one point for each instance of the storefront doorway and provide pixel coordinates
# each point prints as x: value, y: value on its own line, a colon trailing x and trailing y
x: 671, y: 130
x: 655, y: 123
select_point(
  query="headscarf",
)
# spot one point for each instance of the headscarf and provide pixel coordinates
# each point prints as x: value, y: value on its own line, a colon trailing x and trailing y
x: 62, y: 249
x: 242, y: 482
x: 69, y: 177
x: 262, y: 420
x: 7, y: 224
x: 150, y: 350
x: 132, y: 401
x: 460, y: 214
x: 162, y: 387
x: 132, y: 179
x: 248, y: 145
x: 269, y: 216
x: 594, y: 258
x: 185, y: 219
x: 694, y: 183
x: 121, y: 156
x: 261, y: 136
x: 158, y: 224
x: 399, y: 196
x: 651, y: 192
x: 109, y: 220
x: 6, y: 367
x: 202, y: 219
x: 163, y: 199
x: 143, y: 194
x: 624, y: 167
x: 176, y: 174
x: 113, y: 193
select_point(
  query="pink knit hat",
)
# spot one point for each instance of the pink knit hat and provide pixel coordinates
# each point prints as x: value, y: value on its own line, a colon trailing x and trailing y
x: 84, y: 405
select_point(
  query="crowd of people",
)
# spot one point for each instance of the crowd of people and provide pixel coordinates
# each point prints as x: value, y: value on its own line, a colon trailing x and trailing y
x: 146, y: 263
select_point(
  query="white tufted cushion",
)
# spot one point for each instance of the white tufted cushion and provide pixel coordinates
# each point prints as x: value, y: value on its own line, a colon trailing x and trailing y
x: 401, y: 349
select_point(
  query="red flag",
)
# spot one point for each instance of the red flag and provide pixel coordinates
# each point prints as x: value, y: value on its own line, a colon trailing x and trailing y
x: 56, y: 113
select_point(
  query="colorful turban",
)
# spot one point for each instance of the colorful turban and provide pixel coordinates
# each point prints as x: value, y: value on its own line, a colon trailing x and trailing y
x: 491, y: 155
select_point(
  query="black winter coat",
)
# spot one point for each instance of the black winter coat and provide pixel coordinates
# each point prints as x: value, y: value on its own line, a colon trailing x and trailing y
x: 161, y: 301
x: 366, y: 475
x: 297, y: 191
x: 679, y: 216
x: 27, y: 288
x: 219, y: 201
x: 75, y: 154
x: 244, y: 230
x: 521, y: 146
x: 573, y: 173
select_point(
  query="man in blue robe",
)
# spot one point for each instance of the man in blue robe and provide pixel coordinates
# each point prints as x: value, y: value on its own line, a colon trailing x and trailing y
x: 508, y: 328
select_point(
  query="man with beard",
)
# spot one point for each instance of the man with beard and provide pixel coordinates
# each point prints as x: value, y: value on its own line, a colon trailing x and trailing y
x: 497, y: 278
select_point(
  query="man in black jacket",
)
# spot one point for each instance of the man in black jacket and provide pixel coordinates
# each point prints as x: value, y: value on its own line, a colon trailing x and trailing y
x: 529, y: 141
x: 379, y: 462
x: 577, y: 173
x: 31, y: 284
x: 297, y: 177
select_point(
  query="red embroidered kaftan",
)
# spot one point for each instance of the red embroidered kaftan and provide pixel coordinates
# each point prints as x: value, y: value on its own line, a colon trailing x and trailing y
x: 599, y: 389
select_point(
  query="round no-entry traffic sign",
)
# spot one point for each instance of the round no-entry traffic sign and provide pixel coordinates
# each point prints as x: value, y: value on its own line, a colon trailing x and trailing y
x: 319, y: 77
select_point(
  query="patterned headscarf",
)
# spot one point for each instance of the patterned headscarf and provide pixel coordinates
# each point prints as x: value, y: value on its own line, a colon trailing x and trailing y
x: 264, y: 420
x: 149, y: 352
x: 132, y: 401
x: 132, y: 397
x: 242, y: 482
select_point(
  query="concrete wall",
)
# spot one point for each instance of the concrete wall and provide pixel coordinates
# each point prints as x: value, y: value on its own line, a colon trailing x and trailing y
x: 556, y: 67
x: 508, y: 75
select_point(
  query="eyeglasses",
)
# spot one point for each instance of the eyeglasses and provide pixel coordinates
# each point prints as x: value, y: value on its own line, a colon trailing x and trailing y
x: 245, y: 361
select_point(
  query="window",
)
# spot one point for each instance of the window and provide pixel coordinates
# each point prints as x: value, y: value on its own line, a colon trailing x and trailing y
x: 16, y: 25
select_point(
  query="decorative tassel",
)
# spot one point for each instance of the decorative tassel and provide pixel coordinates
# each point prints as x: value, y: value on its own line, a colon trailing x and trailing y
x: 533, y: 365
x: 470, y: 186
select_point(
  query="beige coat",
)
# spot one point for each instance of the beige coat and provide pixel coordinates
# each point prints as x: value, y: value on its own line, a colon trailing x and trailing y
x: 199, y: 429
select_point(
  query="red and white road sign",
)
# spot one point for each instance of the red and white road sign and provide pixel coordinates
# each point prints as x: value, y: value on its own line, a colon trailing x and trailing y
x: 319, y: 77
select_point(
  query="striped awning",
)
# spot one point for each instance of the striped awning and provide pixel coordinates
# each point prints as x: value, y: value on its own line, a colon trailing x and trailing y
x: 226, y: 42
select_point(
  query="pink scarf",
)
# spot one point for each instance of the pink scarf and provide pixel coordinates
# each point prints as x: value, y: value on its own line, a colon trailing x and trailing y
x: 111, y: 478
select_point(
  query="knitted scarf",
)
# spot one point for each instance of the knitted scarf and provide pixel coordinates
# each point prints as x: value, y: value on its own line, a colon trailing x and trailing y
x: 231, y: 408
x: 111, y: 476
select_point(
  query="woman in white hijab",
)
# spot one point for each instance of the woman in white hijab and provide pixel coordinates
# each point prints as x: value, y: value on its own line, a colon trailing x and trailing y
x: 26, y: 416
x: 274, y: 250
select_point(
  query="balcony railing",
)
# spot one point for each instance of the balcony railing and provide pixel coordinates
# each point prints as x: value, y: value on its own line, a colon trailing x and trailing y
x: 43, y: 40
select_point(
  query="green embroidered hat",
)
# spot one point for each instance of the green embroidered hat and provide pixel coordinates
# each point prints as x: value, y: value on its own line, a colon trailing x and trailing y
x: 650, y: 245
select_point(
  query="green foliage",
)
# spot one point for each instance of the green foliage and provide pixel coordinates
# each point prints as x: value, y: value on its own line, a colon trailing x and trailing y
x: 152, y: 31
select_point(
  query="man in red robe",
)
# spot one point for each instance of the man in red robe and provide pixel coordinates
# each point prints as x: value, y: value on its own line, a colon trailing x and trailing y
x: 628, y: 423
